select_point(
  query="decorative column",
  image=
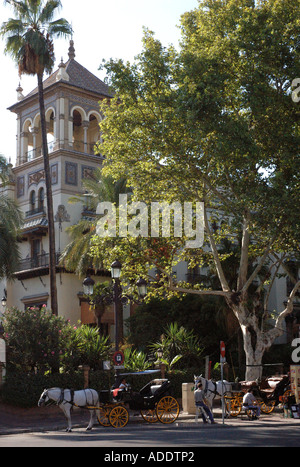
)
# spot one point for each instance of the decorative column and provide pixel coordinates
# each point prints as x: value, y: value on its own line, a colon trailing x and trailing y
x: 24, y: 146
x: 34, y: 131
x: 85, y: 126
x: 71, y: 131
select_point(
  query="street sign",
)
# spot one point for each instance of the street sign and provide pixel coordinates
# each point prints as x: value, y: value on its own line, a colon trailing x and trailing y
x: 106, y: 365
x: 222, y: 361
x: 222, y: 349
x: 118, y: 358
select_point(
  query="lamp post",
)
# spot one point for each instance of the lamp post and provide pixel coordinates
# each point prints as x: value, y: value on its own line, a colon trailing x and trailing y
x: 117, y: 296
x: 116, y: 274
x: 162, y: 365
x: 2, y: 342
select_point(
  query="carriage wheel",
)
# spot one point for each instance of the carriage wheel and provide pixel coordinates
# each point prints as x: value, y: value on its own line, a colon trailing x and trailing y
x: 118, y: 416
x: 167, y: 409
x: 103, y: 416
x: 286, y: 395
x: 233, y: 406
x: 149, y: 415
x: 268, y: 407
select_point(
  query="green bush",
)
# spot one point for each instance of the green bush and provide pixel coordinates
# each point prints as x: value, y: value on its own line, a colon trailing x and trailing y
x: 85, y: 347
x: 34, y: 338
x: 24, y: 390
x: 38, y: 341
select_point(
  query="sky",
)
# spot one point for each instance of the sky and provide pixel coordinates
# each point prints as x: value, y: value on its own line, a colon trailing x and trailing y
x: 102, y: 30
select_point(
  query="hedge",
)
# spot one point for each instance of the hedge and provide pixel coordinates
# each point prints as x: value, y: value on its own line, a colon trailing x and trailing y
x: 24, y: 390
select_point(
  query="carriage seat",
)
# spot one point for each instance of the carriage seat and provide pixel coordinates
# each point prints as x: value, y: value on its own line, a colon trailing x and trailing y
x: 154, y: 388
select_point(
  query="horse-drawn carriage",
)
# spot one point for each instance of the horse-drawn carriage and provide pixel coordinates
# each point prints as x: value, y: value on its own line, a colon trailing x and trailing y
x: 269, y: 393
x: 154, y: 402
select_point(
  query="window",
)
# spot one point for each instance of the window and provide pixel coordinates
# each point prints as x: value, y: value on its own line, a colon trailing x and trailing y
x: 32, y: 200
x: 41, y: 199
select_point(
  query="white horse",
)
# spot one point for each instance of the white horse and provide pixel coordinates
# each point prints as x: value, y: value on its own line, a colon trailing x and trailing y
x: 212, y: 389
x: 66, y: 399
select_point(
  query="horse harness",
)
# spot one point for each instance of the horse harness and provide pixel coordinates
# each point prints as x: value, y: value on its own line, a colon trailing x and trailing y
x: 206, y: 389
x: 63, y: 400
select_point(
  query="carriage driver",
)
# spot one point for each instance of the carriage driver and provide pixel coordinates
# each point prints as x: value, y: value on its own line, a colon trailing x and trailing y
x: 250, y: 402
x: 199, y: 402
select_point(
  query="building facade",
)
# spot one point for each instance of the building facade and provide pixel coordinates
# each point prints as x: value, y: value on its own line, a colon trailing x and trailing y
x: 72, y: 96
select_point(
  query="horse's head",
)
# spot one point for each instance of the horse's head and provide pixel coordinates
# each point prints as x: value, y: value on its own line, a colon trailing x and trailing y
x: 44, y: 398
x: 198, y: 379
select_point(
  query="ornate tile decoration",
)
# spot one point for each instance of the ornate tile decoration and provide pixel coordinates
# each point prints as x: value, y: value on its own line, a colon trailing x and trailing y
x: 87, y: 172
x: 36, y: 177
x: 20, y: 186
x: 54, y: 174
x: 71, y: 174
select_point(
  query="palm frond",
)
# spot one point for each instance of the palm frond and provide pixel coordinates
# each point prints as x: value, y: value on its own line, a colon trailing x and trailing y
x: 48, y: 11
x: 29, y: 35
x: 11, y: 220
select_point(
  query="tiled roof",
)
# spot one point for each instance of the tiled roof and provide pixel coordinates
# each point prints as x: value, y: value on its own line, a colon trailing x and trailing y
x: 34, y: 224
x: 80, y: 77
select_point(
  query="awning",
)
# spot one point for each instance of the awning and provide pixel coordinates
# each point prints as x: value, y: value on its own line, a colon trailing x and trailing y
x: 34, y: 225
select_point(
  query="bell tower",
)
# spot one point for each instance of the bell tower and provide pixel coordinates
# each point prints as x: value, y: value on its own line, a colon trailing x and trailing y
x: 72, y: 96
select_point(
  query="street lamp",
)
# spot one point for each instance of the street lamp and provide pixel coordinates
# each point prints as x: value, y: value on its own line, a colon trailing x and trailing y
x: 116, y: 269
x: 142, y: 288
x: 4, y: 299
x: 88, y: 286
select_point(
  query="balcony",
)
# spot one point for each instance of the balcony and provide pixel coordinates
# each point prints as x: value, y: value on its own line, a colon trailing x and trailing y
x: 34, y: 212
x: 34, y: 267
x: 77, y: 146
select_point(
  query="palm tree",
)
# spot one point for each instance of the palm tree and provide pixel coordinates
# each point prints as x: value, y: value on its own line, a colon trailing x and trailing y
x: 75, y: 257
x: 10, y: 222
x: 29, y: 40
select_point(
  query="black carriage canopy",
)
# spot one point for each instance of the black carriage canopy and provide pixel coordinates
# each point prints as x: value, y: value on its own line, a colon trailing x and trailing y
x: 145, y: 372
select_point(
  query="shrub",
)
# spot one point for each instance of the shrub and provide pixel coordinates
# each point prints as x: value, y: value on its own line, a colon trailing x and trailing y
x: 34, y: 339
x: 85, y: 346
x: 38, y: 341
x: 24, y: 390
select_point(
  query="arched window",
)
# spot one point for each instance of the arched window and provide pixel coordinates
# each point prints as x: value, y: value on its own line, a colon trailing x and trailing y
x: 41, y: 199
x: 32, y: 201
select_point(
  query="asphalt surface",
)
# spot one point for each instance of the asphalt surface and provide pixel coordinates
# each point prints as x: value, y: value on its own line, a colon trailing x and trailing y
x: 14, y: 420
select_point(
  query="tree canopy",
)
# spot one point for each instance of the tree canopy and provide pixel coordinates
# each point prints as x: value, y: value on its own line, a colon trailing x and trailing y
x: 215, y: 122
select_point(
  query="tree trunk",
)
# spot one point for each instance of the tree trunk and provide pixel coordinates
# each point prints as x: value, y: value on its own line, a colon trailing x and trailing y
x: 254, y: 351
x: 52, y: 251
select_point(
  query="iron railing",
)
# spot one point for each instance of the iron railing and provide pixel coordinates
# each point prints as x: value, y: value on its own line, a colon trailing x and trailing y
x: 36, y: 262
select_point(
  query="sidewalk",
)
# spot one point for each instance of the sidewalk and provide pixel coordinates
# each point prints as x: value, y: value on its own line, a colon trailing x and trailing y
x: 15, y: 420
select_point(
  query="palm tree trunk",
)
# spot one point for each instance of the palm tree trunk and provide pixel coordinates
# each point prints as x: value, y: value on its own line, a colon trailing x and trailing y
x: 52, y: 252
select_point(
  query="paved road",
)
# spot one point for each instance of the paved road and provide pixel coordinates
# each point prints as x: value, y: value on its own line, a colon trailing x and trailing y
x: 178, y: 438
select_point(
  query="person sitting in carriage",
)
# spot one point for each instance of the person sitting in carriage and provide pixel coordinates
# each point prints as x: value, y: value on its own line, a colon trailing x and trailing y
x: 124, y: 384
x: 250, y: 403
x: 200, y: 404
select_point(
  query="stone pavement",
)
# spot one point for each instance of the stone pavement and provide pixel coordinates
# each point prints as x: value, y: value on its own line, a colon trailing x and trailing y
x: 15, y: 420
